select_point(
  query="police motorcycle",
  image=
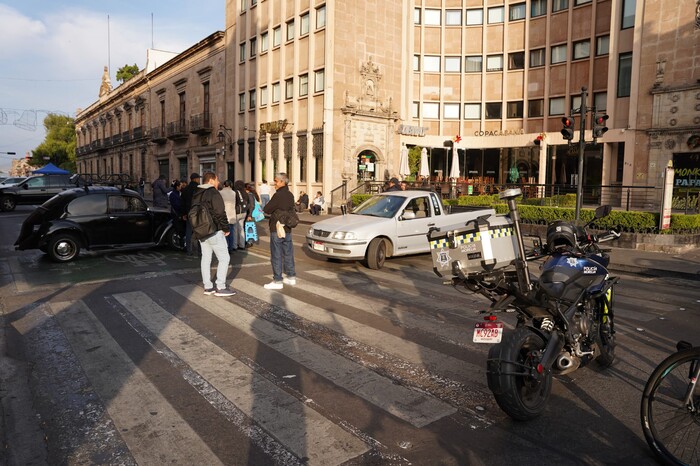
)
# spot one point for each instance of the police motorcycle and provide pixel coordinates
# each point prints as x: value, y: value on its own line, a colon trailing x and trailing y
x: 565, y: 318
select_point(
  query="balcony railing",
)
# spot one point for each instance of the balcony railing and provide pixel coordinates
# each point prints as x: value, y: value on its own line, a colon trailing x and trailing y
x: 201, y: 123
x: 139, y: 133
x: 177, y: 130
x: 126, y: 136
x: 158, y: 135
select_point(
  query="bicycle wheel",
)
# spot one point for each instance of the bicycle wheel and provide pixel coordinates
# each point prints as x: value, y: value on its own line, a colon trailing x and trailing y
x: 671, y: 426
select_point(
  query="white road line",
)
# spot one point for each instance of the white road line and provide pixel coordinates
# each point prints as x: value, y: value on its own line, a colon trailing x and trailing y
x: 128, y: 395
x: 413, y: 407
x: 301, y: 429
x: 435, y: 361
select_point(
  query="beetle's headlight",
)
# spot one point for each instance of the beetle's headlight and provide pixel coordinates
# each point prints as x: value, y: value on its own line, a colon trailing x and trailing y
x: 344, y: 235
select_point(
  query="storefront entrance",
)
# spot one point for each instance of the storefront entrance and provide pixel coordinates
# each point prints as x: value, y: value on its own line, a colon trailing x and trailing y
x: 366, y: 166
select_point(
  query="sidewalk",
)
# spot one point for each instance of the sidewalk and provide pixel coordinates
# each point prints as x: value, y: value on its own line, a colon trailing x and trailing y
x: 655, y: 264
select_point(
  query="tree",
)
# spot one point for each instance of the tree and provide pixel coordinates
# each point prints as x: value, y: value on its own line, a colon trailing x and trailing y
x: 414, y: 155
x: 127, y: 72
x: 59, y: 145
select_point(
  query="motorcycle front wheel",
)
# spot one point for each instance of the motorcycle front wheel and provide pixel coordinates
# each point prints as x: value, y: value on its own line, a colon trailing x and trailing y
x: 513, y: 378
x: 605, y: 337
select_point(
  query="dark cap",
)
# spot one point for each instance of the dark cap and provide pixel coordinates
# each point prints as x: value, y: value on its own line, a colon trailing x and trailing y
x: 394, y: 180
x: 194, y: 176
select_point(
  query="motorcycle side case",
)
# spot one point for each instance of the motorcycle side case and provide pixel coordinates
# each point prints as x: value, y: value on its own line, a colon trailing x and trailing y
x: 483, y: 245
x: 565, y: 277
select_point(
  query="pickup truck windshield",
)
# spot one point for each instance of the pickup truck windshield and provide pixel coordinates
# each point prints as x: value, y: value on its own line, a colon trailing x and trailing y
x: 380, y: 206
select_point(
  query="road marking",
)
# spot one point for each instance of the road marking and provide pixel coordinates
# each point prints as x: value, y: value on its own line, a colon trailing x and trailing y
x: 128, y: 394
x: 301, y: 429
x: 417, y: 354
x: 413, y: 407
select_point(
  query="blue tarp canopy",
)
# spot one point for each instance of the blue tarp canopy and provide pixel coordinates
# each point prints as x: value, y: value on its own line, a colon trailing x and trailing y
x: 51, y: 169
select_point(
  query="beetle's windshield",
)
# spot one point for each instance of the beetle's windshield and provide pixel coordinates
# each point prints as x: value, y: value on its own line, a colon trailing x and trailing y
x: 380, y: 206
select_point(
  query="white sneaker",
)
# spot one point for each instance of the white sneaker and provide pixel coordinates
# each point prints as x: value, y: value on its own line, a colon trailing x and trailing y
x: 289, y: 280
x: 273, y: 286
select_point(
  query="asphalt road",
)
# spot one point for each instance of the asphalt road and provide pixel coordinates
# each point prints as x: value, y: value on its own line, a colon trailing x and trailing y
x: 118, y: 358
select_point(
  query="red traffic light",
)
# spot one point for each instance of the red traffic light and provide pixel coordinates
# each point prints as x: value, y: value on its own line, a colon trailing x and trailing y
x: 567, y: 131
x: 599, y: 127
x: 600, y: 119
x: 567, y: 122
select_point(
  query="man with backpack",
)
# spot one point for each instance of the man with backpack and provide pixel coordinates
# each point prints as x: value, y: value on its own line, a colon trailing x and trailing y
x: 210, y: 226
x: 186, y: 197
x: 282, y: 219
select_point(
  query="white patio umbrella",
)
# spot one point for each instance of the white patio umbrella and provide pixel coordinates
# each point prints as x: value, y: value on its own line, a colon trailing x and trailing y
x: 424, y: 167
x: 404, y: 170
x: 454, y: 169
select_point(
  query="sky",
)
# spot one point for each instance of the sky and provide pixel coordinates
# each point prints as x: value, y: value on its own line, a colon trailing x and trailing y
x: 53, y: 54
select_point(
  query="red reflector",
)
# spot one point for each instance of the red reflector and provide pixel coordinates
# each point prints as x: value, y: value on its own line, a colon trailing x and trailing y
x: 540, y: 368
x: 490, y: 317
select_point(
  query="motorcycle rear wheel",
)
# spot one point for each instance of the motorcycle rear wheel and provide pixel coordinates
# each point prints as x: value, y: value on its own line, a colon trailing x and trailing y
x: 511, y: 373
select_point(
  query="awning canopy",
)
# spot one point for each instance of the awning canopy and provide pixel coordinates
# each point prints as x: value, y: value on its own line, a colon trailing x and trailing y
x: 51, y: 169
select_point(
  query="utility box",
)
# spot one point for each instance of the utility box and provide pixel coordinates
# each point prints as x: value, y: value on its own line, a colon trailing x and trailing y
x: 483, y: 245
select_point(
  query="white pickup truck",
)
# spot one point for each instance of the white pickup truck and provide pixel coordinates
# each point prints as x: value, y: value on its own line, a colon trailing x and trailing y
x: 389, y: 224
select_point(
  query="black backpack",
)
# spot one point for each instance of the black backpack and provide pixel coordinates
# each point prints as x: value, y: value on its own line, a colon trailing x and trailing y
x: 241, y: 202
x: 200, y: 219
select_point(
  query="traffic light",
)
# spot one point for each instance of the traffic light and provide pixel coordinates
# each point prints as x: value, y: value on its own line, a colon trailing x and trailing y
x: 599, y: 127
x: 538, y: 140
x: 568, y: 130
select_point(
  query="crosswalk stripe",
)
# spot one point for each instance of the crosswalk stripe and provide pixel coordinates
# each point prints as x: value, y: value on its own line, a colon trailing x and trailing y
x: 301, y: 429
x: 407, y: 350
x: 413, y: 407
x: 151, y: 438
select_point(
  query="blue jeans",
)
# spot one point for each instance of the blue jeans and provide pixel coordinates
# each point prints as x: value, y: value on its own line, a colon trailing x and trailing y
x: 216, y: 245
x: 231, y: 236
x: 282, y: 256
x: 264, y: 199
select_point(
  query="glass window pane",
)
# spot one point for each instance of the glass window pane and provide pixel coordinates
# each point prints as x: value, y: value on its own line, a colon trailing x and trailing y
x: 251, y: 98
x: 304, y: 24
x: 241, y: 52
x: 559, y: 53
x: 537, y: 58
x: 558, y: 5
x: 275, y: 93
x: 321, y: 17
x: 538, y: 8
x: 303, y: 84
x: 516, y: 12
x: 319, y: 81
x: 432, y: 17
x: 453, y: 17
x: 288, y: 89
x: 514, y: 109
x: 473, y: 64
x: 628, y: 11
x: 475, y: 17
x: 602, y: 45
x: 263, y: 96
x: 416, y: 62
x: 535, y: 108
x: 431, y: 63
x: 451, y: 111
x: 431, y: 110
x: 472, y: 111
x: 263, y: 42
x: 415, y: 110
x: 290, y: 30
x: 600, y: 100
x: 276, y: 36
x: 493, y: 110
x: 494, y: 63
x: 582, y: 49
x: 516, y: 61
x: 556, y: 106
x: 496, y: 15
x: 416, y: 16
x: 453, y: 64
x: 624, y: 75
x: 253, y: 47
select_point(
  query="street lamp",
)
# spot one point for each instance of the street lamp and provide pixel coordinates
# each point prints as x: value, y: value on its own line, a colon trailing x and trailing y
x: 224, y: 135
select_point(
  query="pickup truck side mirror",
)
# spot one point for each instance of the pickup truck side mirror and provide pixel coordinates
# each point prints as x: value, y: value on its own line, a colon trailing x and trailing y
x: 408, y: 215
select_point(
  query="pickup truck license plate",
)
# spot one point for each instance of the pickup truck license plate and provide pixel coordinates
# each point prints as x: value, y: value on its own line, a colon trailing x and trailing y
x: 488, y: 332
x: 318, y: 246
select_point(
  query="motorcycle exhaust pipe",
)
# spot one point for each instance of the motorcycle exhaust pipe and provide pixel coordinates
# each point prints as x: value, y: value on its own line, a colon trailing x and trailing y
x: 554, y: 346
x: 566, y: 364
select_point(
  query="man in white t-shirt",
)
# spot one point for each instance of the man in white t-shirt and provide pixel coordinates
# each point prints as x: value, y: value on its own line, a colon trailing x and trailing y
x: 264, y: 192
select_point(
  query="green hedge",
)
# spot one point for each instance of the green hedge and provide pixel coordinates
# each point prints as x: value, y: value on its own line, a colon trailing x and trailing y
x: 685, y: 223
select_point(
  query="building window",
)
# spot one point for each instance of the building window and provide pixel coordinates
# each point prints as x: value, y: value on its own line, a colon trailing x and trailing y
x: 516, y: 12
x: 538, y: 8
x: 253, y: 47
x: 600, y: 101
x: 450, y: 111
x: 290, y: 30
x: 416, y: 62
x: 415, y: 110
x: 516, y: 61
x: 303, y: 85
x: 275, y: 93
x: 432, y: 17
x: 496, y: 15
x: 514, y: 109
x: 493, y: 110
x: 263, y: 96
x: 416, y: 16
x: 472, y: 111
x: 559, y: 5
x: 241, y: 51
x: 582, y: 49
x: 558, y: 54
x: 431, y: 64
x: 183, y: 110
x: 263, y: 42
x: 453, y: 17
x: 244, y: 4
x: 241, y: 102
x: 581, y: 2
x: 277, y: 36
x: 453, y: 64
x: 602, y: 45
x: 473, y: 64
x: 319, y: 81
x: 575, y: 104
x: 628, y: 10
x: 494, y: 63
x: 556, y: 105
x: 535, y: 108
x: 475, y: 17
x: 252, y: 100
x: 624, y: 75
x: 431, y: 110
x: 537, y: 58
x: 289, y: 89
x: 321, y: 17
x: 304, y: 24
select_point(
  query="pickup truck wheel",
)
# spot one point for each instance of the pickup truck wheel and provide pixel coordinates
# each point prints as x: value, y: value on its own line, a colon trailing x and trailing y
x: 7, y: 203
x: 376, y: 254
x: 63, y: 247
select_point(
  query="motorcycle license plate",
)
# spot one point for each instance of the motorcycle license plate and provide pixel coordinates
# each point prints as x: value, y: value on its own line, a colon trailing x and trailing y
x: 318, y: 246
x: 488, y: 332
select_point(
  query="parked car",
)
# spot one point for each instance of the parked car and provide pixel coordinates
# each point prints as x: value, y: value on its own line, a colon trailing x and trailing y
x: 33, y: 190
x: 12, y: 181
x: 385, y: 225
x: 95, y: 218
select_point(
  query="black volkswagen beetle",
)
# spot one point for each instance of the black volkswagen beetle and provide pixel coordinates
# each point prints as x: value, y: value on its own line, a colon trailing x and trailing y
x: 96, y: 218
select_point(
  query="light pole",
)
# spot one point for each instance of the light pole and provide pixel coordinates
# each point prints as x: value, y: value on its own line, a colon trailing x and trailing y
x: 9, y: 153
